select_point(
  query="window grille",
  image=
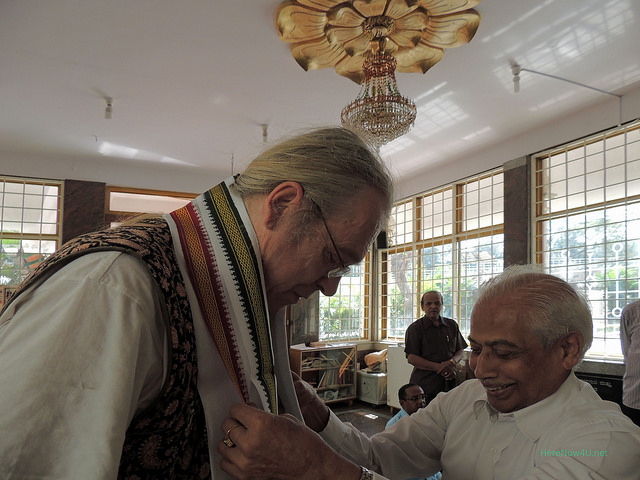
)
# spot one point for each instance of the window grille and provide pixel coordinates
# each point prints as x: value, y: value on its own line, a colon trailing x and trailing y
x: 30, y: 217
x: 587, y: 224
x: 346, y: 315
x: 450, y: 240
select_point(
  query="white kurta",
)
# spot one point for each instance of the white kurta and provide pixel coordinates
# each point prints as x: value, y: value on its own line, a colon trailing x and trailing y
x: 80, y: 356
x: 570, y: 435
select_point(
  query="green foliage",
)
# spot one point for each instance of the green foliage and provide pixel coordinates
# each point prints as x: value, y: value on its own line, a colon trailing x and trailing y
x: 10, y: 268
x: 340, y: 317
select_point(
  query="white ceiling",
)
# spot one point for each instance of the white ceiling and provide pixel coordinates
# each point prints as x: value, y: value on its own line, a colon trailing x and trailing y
x: 193, y: 82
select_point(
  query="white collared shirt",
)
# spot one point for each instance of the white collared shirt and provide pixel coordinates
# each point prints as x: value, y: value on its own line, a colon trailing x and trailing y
x: 572, y: 434
x: 630, y: 340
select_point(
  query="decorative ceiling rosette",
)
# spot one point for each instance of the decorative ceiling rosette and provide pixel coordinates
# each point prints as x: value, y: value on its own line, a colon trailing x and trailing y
x: 332, y: 33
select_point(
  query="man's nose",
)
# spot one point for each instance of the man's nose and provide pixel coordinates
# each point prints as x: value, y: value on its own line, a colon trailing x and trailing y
x: 482, y: 365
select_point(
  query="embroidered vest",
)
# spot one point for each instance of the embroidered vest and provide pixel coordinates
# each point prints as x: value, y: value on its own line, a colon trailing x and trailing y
x: 168, y: 439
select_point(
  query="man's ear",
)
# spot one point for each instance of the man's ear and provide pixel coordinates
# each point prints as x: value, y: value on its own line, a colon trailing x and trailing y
x: 283, y: 200
x: 571, y: 345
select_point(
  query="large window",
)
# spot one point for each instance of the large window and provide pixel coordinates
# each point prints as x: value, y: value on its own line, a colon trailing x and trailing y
x: 29, y: 227
x: 123, y: 203
x: 449, y: 240
x: 346, y: 315
x: 587, y: 224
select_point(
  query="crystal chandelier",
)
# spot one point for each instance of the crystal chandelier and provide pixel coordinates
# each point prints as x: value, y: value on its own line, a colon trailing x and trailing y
x: 379, y: 113
x: 367, y: 41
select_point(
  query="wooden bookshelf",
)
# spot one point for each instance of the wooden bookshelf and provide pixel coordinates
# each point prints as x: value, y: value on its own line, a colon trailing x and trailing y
x: 330, y: 369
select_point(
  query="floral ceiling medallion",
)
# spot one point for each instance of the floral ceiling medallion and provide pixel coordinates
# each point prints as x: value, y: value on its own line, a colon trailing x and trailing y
x: 332, y: 33
x: 368, y: 41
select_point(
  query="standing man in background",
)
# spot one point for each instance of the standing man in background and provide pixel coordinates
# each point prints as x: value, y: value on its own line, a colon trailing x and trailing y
x: 433, y: 345
x: 630, y: 339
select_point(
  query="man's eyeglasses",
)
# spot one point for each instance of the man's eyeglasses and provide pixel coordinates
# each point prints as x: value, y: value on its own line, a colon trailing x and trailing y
x: 340, y: 271
x: 415, y: 398
x: 343, y: 269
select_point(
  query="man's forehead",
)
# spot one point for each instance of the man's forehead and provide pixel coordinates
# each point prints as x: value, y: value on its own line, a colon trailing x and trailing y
x: 431, y: 297
x: 412, y: 391
x: 497, y: 310
x: 498, y: 322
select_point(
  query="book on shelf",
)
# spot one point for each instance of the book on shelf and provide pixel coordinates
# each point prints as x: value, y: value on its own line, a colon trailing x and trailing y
x: 346, y: 363
x: 319, y: 362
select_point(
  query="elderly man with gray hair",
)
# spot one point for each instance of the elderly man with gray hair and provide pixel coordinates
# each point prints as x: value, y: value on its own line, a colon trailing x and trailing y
x: 525, y: 416
x: 122, y: 354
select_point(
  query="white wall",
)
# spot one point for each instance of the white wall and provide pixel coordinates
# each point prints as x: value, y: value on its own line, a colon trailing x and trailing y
x: 577, y: 125
x: 149, y: 176
x: 189, y: 179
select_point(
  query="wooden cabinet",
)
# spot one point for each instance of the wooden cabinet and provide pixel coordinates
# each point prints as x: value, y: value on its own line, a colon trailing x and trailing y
x: 330, y: 369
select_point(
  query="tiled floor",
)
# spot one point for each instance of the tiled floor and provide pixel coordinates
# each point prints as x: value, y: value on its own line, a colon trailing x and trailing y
x: 364, y: 416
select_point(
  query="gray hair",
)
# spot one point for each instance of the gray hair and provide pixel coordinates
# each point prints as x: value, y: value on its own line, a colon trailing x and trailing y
x: 427, y: 293
x: 332, y: 164
x: 549, y: 306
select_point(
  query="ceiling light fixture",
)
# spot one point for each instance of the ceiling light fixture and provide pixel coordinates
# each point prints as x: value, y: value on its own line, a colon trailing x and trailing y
x: 516, y: 69
x: 367, y: 41
x: 108, y: 110
x: 379, y: 113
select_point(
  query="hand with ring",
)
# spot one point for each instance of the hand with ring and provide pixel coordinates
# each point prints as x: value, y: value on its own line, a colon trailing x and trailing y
x: 277, y: 447
x: 227, y: 439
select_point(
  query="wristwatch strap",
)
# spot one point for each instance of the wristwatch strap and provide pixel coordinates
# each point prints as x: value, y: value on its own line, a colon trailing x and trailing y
x: 366, y: 474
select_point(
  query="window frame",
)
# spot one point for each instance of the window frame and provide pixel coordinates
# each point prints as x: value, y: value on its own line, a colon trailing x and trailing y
x: 114, y: 216
x: 454, y: 235
x: 606, y: 345
x: 20, y: 236
x: 365, y: 306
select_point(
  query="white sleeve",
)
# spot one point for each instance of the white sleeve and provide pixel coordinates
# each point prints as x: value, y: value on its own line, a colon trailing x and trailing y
x: 406, y: 449
x: 80, y: 354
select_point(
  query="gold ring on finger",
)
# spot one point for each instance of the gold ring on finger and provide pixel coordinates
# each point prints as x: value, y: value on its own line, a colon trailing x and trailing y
x: 227, y: 440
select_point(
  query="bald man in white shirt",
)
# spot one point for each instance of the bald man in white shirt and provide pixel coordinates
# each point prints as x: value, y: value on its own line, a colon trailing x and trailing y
x: 525, y: 416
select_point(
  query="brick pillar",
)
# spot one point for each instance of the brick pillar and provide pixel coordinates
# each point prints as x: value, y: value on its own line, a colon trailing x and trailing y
x: 517, y: 212
x: 83, y: 208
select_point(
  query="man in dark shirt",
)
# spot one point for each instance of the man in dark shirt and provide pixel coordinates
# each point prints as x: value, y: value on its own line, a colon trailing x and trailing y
x: 433, y: 345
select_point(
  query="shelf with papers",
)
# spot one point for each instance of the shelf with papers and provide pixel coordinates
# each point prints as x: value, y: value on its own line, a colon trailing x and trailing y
x: 329, y: 369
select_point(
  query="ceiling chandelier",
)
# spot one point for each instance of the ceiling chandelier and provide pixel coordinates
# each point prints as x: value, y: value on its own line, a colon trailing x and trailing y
x: 379, y: 113
x: 367, y: 41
